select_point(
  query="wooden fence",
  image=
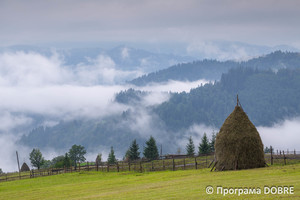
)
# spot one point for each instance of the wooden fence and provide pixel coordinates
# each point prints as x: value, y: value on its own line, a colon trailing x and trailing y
x: 169, y: 162
x: 281, y: 157
x: 175, y: 162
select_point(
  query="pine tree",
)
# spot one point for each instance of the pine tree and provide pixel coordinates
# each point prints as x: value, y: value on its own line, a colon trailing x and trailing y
x: 67, y: 161
x: 190, y: 147
x: 134, y: 153
x: 204, y: 147
x: 151, y: 151
x: 126, y: 157
x: 212, y: 142
x: 111, y: 157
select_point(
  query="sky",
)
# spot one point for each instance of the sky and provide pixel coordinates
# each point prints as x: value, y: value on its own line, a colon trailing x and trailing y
x: 33, y: 84
x: 268, y: 22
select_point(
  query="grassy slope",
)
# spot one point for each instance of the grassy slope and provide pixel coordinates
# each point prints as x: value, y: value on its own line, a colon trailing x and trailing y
x: 189, y: 184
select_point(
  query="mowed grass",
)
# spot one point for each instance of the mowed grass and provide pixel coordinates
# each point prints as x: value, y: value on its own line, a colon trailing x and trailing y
x: 182, y: 184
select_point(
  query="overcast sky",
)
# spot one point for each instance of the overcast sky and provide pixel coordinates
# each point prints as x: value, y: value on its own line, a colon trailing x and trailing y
x: 266, y: 22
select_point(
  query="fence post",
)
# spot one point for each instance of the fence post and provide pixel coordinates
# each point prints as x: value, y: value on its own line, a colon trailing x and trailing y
x: 128, y: 165
x: 184, y: 164
x: 107, y: 167
x: 79, y: 167
x: 206, y: 160
x: 88, y: 168
x: 141, y: 169
x: 271, y: 149
x: 173, y: 165
x: 152, y: 167
x: 118, y: 167
x: 284, y: 158
x: 163, y: 161
x: 196, y: 163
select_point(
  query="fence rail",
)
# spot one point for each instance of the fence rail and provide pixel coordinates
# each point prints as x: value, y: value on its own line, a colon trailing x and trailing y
x: 170, y: 162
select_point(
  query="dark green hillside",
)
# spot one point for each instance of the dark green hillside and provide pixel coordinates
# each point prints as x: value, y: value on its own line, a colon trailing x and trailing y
x: 266, y: 96
x: 89, y: 133
x: 206, y: 69
x: 212, y: 69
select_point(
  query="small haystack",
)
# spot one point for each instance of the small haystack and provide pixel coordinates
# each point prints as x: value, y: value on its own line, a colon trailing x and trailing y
x: 25, y: 168
x: 238, y: 144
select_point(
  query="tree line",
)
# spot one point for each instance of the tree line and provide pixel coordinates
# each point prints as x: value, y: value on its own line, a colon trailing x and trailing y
x: 76, y: 153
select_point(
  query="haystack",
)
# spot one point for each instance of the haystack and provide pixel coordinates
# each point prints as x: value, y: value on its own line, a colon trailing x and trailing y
x: 238, y: 144
x: 25, y: 167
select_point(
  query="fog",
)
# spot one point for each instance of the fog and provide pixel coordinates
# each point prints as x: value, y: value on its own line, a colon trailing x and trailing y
x: 34, y: 85
x: 282, y: 136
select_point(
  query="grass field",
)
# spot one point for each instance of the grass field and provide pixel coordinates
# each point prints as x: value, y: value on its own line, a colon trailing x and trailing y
x: 182, y: 184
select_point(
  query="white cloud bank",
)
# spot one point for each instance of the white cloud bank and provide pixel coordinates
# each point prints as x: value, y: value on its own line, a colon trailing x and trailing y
x: 282, y: 136
x: 32, y: 84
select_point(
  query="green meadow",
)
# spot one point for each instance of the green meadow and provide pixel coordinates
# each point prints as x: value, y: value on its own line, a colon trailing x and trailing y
x: 181, y: 184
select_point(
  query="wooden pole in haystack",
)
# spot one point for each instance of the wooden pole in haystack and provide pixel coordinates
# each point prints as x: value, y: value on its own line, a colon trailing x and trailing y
x: 18, y: 164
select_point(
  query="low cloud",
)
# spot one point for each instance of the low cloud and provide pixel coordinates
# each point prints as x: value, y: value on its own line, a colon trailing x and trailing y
x: 223, y: 52
x: 37, y: 90
x: 172, y: 86
x: 195, y: 131
x: 282, y: 136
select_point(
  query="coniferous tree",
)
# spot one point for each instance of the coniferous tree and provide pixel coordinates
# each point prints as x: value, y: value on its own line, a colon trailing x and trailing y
x: 267, y: 150
x: 151, y: 151
x: 111, y: 157
x: 204, y: 147
x: 190, y: 147
x: 126, y: 157
x: 134, y: 153
x: 67, y: 161
x: 212, y: 142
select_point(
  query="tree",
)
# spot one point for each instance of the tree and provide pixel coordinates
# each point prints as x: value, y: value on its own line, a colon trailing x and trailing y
x: 134, y: 153
x: 204, y: 147
x: 46, y: 164
x: 126, y: 157
x: 267, y: 150
x: 67, y: 162
x: 151, y: 151
x: 1, y: 172
x: 212, y: 142
x: 111, y: 157
x: 76, y: 154
x: 190, y: 147
x: 58, y: 161
x: 36, y: 158
x: 98, y: 159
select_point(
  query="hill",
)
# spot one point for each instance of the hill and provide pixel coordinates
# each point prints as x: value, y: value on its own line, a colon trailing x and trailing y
x: 267, y: 97
x: 213, y: 69
x: 155, y: 185
x: 124, y: 57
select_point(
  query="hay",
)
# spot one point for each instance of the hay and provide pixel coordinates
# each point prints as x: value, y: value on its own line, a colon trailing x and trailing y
x: 25, y: 167
x: 238, y: 144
